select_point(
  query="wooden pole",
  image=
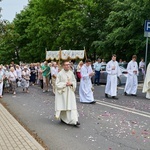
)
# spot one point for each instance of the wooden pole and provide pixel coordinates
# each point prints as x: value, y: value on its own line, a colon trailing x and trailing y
x: 45, y: 51
x: 59, y: 56
x: 85, y: 53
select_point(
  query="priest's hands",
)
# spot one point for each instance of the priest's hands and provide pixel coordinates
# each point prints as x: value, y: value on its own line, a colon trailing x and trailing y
x: 91, y: 74
x: 135, y: 72
x: 113, y: 68
x: 68, y: 84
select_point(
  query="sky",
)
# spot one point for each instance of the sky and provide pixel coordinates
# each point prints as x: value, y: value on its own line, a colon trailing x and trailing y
x: 11, y: 7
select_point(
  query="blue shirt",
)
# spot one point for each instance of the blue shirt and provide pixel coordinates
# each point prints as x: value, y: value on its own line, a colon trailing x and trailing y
x: 97, y: 66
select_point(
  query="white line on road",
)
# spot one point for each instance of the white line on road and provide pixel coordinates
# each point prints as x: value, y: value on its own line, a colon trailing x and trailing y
x: 140, y: 86
x: 123, y: 108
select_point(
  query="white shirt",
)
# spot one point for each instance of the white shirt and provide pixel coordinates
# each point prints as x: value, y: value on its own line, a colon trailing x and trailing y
x: 78, y: 68
x: 142, y: 65
x: 7, y: 73
x: 18, y: 71
x: 54, y: 71
x: 12, y: 76
x: 97, y: 66
x: 103, y: 63
x: 1, y: 75
x: 26, y: 73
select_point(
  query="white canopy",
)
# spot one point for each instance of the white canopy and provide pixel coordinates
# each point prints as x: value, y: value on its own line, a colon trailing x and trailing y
x: 65, y: 54
x: 52, y: 55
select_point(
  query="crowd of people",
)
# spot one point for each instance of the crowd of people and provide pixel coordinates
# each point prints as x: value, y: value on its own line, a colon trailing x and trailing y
x: 63, y: 81
x: 14, y: 76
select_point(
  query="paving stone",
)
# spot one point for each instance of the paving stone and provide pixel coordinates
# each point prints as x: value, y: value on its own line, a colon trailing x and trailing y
x: 13, y: 135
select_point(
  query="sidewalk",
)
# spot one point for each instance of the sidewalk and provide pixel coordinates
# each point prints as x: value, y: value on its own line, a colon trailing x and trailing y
x: 13, y: 136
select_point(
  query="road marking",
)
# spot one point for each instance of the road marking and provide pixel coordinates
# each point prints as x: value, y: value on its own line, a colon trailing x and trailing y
x: 122, y: 88
x: 123, y: 108
x: 140, y: 86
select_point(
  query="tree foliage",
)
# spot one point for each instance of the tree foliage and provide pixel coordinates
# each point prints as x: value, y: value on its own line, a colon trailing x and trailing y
x: 124, y: 29
x: 103, y: 27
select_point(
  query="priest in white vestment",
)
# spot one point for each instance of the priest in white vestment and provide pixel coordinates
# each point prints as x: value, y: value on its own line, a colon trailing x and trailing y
x: 132, y: 80
x: 113, y: 70
x: 85, y: 89
x: 146, y: 86
x: 65, y: 101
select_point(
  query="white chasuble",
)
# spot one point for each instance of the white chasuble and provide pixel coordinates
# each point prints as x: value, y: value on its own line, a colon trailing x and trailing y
x: 146, y: 86
x: 65, y: 101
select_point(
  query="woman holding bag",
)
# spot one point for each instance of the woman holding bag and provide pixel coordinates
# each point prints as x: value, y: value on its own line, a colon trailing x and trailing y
x: 25, y: 79
x: 12, y: 79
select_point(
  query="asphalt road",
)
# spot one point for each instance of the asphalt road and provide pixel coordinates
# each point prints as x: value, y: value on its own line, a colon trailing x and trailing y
x: 109, y: 124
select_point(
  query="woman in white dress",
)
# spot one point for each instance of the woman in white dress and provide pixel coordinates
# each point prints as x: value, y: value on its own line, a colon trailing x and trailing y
x: 1, y: 81
x: 25, y: 79
x: 6, y: 79
x: 12, y: 79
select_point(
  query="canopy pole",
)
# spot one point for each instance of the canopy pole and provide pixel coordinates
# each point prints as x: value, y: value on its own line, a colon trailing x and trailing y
x: 85, y: 53
x: 59, y: 56
x: 46, y: 51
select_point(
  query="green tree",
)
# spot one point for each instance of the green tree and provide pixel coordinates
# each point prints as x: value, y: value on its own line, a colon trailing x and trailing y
x: 81, y: 23
x: 123, y: 32
x: 59, y: 23
x: 9, y: 50
x: 102, y: 26
x: 37, y: 26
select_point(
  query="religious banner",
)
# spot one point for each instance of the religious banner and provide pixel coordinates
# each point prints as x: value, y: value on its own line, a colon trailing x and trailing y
x: 65, y: 54
x: 72, y: 54
x: 52, y: 55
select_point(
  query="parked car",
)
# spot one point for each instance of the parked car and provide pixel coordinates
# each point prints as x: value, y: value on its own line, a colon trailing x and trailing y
x: 124, y: 65
x: 121, y: 79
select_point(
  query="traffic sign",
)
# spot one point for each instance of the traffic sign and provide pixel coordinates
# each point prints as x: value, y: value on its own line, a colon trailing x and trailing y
x: 147, y: 28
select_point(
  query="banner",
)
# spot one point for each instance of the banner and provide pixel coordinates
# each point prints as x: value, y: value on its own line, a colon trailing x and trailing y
x: 65, y: 54
x: 52, y: 55
x: 72, y: 54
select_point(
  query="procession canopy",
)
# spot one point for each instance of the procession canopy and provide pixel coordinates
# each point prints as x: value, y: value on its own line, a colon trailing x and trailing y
x: 72, y: 54
x: 65, y: 54
x: 51, y: 55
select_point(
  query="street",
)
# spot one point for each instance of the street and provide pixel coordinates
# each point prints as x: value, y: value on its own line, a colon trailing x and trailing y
x: 109, y: 124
